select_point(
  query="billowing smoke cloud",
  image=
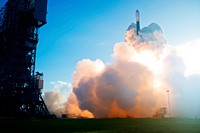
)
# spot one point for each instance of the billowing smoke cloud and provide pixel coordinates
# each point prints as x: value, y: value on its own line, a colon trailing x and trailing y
x: 56, y: 98
x: 135, y: 84
x: 184, y: 77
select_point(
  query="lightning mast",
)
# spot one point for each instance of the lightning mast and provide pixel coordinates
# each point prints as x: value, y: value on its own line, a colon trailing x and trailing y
x: 169, y: 103
x: 20, y: 86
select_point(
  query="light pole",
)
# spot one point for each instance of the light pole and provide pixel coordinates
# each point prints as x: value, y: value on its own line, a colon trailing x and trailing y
x: 169, y: 103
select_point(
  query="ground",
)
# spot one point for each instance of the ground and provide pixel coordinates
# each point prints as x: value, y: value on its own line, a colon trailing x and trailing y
x: 144, y: 125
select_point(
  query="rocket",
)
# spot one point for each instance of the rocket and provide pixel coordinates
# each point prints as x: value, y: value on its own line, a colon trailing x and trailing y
x: 137, y: 16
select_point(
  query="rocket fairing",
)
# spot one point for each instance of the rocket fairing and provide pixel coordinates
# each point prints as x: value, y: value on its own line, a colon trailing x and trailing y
x: 137, y: 16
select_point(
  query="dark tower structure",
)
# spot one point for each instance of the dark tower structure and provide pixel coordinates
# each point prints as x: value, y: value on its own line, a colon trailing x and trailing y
x: 137, y: 15
x: 20, y: 86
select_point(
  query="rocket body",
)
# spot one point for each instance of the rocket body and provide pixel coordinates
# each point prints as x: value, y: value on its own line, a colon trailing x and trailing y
x: 137, y: 16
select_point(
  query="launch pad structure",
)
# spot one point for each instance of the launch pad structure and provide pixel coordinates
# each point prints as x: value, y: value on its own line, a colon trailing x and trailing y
x: 20, y: 85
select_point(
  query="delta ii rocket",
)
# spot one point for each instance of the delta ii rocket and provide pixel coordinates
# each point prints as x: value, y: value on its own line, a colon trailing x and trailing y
x: 137, y: 16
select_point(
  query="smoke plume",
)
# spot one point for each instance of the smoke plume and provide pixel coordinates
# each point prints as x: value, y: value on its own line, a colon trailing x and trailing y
x: 56, y: 98
x: 135, y: 84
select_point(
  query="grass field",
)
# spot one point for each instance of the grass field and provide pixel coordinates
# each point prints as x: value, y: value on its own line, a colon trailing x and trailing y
x: 100, y: 125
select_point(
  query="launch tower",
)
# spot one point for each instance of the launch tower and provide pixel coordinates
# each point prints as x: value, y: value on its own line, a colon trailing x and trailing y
x: 20, y: 85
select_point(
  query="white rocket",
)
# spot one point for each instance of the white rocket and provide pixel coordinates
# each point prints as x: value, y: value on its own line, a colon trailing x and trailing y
x: 137, y: 16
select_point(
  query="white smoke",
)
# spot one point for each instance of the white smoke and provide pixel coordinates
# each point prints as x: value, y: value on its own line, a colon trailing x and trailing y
x: 189, y: 52
x: 135, y: 84
x: 185, y: 80
x: 126, y: 87
x: 56, y: 98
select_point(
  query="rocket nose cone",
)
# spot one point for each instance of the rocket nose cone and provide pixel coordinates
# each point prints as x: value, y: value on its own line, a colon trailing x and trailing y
x: 137, y: 15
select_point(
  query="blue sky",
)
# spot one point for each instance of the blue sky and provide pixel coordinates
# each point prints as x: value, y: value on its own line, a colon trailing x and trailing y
x: 78, y: 29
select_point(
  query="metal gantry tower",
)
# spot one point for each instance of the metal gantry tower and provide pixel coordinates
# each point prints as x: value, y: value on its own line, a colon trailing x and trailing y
x: 20, y: 85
